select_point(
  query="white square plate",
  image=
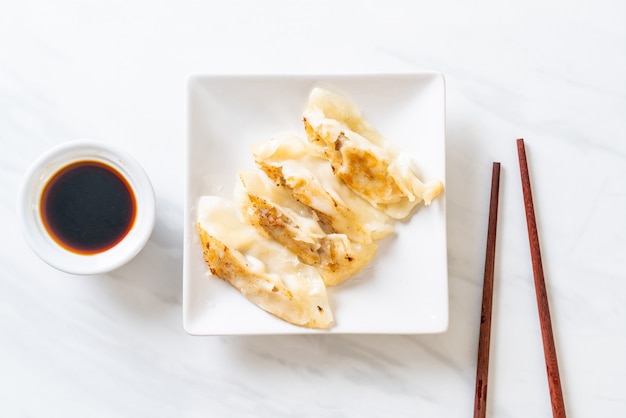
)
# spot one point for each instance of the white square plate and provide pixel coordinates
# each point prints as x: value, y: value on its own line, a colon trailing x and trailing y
x: 405, y: 289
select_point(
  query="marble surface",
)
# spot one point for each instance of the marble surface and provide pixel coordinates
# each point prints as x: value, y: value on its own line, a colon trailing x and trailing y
x: 113, y: 345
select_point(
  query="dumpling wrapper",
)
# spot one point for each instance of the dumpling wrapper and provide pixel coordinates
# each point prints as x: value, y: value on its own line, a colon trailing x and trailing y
x: 297, y: 166
x: 362, y: 158
x: 273, y: 211
x: 264, y: 271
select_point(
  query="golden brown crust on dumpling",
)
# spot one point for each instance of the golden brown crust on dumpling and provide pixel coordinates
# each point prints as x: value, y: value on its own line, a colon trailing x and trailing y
x: 274, y: 223
x: 363, y: 159
x: 334, y: 255
x: 266, y: 291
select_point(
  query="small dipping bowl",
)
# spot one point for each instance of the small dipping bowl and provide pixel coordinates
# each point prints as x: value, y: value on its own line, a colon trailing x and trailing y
x: 117, y: 166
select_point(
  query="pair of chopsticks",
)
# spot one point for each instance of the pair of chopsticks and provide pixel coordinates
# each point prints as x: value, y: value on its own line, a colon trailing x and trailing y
x: 554, y: 382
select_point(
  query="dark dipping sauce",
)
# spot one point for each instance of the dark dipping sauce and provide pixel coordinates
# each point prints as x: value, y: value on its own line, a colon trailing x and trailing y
x: 88, y: 207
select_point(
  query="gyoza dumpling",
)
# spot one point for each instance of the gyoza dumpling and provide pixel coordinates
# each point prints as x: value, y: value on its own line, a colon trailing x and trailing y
x: 341, y: 259
x: 264, y: 271
x: 297, y: 166
x: 362, y: 158
x: 274, y: 212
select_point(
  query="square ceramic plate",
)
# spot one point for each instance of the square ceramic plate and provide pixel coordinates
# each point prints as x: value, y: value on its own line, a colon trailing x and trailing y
x: 405, y: 289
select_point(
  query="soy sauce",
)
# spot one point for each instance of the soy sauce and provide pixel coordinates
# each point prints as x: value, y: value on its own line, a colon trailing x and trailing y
x: 88, y: 207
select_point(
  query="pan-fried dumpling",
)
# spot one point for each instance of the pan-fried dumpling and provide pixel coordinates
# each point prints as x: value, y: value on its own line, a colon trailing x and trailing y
x: 297, y: 166
x: 362, y: 158
x: 264, y: 271
x: 341, y: 259
x: 273, y: 211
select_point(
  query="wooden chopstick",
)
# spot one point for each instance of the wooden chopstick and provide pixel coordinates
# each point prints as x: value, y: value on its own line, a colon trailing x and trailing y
x: 549, y: 350
x: 482, y: 368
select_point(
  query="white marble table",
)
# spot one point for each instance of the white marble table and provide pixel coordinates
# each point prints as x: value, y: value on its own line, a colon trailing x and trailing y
x: 113, y: 345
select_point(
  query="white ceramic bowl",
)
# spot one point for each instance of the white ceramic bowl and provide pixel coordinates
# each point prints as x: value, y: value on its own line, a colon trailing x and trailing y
x: 35, y: 232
